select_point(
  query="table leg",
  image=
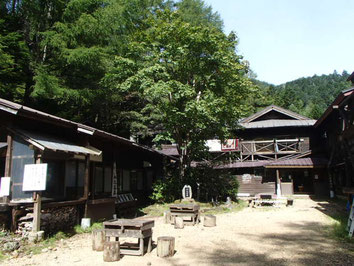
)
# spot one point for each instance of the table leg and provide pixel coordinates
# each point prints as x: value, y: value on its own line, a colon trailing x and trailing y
x: 149, y: 244
x: 141, y: 246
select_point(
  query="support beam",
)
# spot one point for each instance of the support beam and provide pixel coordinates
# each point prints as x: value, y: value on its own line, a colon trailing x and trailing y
x: 37, y: 198
x: 8, y: 161
x: 278, y: 182
x: 87, y: 182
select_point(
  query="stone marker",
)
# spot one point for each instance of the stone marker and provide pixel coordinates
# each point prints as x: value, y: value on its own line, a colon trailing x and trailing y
x: 187, y: 192
x: 165, y: 246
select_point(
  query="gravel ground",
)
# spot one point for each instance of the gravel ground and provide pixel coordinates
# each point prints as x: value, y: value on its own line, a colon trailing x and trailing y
x: 262, y: 236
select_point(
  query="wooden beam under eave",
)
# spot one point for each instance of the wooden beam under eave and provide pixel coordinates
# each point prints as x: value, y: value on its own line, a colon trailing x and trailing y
x: 294, y: 166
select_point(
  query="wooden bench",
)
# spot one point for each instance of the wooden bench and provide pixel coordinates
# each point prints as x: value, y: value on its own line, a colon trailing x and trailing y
x: 265, y: 200
x: 191, y: 211
x: 130, y: 228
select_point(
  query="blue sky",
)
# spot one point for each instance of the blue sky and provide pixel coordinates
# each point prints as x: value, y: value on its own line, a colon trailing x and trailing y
x: 287, y: 39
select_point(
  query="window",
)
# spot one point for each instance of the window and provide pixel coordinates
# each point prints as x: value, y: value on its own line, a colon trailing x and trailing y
x: 98, y: 179
x: 74, y: 179
x: 126, y: 180
x: 139, y: 181
x: 55, y: 179
x: 107, y: 179
x: 103, y: 179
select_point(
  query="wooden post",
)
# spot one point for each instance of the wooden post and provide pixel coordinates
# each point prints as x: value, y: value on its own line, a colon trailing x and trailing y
x: 165, y: 246
x: 87, y: 181
x: 8, y: 161
x: 209, y: 220
x: 111, y: 251
x: 37, y: 197
x: 278, y: 183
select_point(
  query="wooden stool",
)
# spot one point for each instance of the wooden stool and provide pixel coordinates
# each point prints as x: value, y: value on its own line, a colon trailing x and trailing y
x: 179, y: 223
x: 165, y: 246
x: 209, y: 220
x: 167, y: 217
x: 111, y: 251
x: 98, y: 237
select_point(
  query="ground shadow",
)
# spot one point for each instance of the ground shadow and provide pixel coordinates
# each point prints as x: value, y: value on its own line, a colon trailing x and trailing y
x: 308, y: 246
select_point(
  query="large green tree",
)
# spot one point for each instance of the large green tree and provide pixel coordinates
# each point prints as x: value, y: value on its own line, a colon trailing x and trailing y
x: 191, y: 79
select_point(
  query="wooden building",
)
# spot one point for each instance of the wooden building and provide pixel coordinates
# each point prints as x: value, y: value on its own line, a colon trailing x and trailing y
x: 336, y: 138
x: 274, y: 154
x: 278, y: 142
x: 87, y: 168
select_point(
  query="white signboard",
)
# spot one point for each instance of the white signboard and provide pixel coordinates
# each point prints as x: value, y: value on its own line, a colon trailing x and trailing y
x: 5, y: 187
x: 35, y: 177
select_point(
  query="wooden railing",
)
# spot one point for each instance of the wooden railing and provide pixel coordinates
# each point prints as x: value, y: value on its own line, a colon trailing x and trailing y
x: 272, y: 149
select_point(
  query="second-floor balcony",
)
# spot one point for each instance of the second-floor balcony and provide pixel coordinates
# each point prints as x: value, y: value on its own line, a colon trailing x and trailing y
x: 272, y: 149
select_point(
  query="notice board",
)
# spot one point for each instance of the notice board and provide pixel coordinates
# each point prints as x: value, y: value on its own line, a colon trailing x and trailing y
x: 35, y: 177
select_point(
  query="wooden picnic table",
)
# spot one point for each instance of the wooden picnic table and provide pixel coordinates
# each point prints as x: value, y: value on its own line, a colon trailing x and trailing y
x: 132, y: 228
x: 190, y: 211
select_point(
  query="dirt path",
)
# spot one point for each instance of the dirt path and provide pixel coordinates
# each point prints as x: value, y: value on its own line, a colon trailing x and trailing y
x: 283, y: 236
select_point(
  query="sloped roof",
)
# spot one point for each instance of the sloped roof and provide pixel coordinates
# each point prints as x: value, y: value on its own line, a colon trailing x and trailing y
x: 301, y: 162
x: 338, y: 101
x: 290, y: 114
x: 294, y: 119
x: 21, y: 110
x: 43, y: 142
x: 279, y: 123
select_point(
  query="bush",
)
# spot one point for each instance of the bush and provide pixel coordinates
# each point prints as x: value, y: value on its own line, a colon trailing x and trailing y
x: 212, y: 183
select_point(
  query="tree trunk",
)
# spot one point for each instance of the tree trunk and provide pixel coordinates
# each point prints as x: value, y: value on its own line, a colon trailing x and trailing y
x: 111, y: 251
x: 165, y: 246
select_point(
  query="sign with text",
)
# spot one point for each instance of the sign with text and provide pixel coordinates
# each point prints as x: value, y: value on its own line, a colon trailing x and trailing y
x: 230, y: 145
x: 187, y: 192
x: 35, y: 177
x: 5, y: 186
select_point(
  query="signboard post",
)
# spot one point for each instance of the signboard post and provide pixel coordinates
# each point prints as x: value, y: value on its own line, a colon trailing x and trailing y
x: 34, y: 179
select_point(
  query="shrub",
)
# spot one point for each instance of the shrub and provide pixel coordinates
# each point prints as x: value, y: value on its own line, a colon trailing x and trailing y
x: 212, y: 183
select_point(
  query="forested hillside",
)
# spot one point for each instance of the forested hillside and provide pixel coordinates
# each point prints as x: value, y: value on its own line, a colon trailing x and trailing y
x: 308, y: 96
x: 136, y: 68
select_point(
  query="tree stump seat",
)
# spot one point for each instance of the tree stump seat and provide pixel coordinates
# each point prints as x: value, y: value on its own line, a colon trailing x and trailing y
x: 165, y: 246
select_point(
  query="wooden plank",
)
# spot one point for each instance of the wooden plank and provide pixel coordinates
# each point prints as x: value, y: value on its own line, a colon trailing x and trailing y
x: 101, y: 201
x: 130, y: 222
x: 126, y: 233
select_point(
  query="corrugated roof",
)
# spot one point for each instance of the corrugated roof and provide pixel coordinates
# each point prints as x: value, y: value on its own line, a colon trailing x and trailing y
x: 55, y: 144
x: 278, y: 123
x: 304, y: 162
